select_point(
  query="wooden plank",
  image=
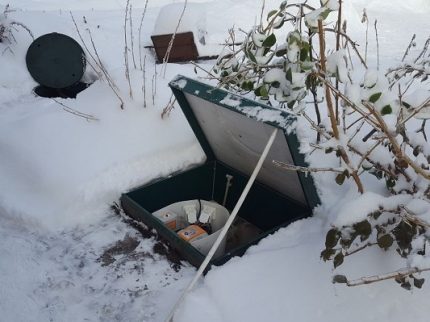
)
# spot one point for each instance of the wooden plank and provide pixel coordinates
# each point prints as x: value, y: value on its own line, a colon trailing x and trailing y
x: 183, y: 48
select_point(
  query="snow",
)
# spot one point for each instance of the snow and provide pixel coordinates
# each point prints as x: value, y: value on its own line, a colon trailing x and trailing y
x: 61, y: 173
x: 358, y: 209
x: 193, y: 19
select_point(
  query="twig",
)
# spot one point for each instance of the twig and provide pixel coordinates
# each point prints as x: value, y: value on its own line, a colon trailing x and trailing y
x: 411, y: 44
x: 377, y: 45
x: 327, y: 91
x: 169, y: 107
x: 24, y: 27
x: 341, y: 150
x: 140, y: 33
x: 204, y: 70
x: 418, y: 109
x: 154, y: 84
x: 144, y: 81
x: 169, y: 47
x: 369, y: 120
x: 339, y: 23
x: 422, y: 129
x: 412, y: 217
x: 291, y: 167
x: 262, y: 11
x: 351, y: 42
x: 70, y: 110
x: 132, y: 35
x: 366, y: 20
x: 127, y: 67
x: 397, y: 150
x: 97, y: 61
x: 377, y: 278
x: 369, y: 244
x: 369, y: 152
x: 423, y: 51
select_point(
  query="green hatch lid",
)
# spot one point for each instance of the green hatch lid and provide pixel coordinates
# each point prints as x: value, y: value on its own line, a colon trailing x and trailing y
x: 234, y: 130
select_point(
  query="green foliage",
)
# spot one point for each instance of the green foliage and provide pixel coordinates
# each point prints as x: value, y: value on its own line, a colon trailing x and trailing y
x: 375, y: 97
x: 285, y: 71
x: 387, y: 109
x: 269, y: 41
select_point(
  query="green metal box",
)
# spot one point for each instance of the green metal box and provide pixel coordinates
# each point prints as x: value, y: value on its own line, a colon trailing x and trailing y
x: 233, y: 132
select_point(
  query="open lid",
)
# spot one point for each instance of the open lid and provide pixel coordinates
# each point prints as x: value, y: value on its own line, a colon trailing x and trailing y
x: 234, y: 130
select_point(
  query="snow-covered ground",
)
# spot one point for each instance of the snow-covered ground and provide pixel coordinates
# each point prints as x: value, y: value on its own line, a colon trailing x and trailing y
x: 61, y: 173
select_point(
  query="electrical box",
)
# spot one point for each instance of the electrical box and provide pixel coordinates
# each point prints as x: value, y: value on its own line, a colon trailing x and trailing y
x: 233, y: 132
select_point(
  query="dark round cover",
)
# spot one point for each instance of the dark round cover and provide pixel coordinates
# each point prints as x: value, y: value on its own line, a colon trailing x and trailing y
x: 55, y: 60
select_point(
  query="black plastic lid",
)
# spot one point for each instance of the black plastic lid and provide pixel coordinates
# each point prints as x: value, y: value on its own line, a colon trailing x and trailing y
x: 55, y: 60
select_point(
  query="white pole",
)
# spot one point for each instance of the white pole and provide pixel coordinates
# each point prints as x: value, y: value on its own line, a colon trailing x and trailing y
x: 227, y: 224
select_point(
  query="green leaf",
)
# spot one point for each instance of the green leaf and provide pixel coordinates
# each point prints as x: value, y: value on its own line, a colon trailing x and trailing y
x: 386, y: 110
x: 373, y: 98
x: 376, y: 215
x: 406, y: 286
x: 385, y: 241
x: 291, y: 104
x: 363, y: 228
x: 338, y: 259
x: 278, y: 24
x: 269, y: 41
x: 250, y: 55
x: 283, y: 5
x: 275, y: 84
x: 281, y: 52
x: 261, y: 91
x: 289, y: 75
x: 332, y: 238
x: 346, y: 243
x: 377, y: 173
x: 247, y: 85
x: 271, y: 13
x: 323, y: 15
x: 326, y: 254
x: 404, y: 234
x: 418, y: 282
x: 407, y: 105
x: 341, y: 279
x: 304, y: 54
x: 340, y: 179
x: 390, y: 183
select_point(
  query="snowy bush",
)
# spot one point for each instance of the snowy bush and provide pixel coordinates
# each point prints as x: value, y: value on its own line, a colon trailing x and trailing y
x: 7, y: 27
x: 370, y: 128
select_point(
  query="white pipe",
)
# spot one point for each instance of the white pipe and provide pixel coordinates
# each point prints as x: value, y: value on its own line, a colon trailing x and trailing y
x: 227, y: 224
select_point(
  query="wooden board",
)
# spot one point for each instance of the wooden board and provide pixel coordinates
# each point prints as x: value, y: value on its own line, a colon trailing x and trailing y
x: 183, y: 49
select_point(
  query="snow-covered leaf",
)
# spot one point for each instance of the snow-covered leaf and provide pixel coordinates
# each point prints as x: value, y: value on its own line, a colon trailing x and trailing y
x: 269, y: 41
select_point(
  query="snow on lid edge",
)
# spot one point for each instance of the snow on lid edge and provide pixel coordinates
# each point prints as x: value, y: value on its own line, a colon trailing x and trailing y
x: 245, y: 106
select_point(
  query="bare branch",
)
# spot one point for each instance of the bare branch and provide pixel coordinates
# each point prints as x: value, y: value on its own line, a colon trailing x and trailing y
x: 378, y: 278
x: 291, y: 167
x: 70, y: 110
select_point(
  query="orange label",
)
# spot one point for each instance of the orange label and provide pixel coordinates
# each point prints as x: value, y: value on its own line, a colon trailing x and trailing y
x: 171, y: 224
x: 191, y: 233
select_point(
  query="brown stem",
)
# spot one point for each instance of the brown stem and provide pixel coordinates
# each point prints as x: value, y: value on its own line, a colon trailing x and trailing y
x: 396, y: 147
x: 351, y: 42
x: 339, y: 23
x: 360, y: 248
x: 377, y: 278
x: 327, y: 90
x: 291, y: 167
